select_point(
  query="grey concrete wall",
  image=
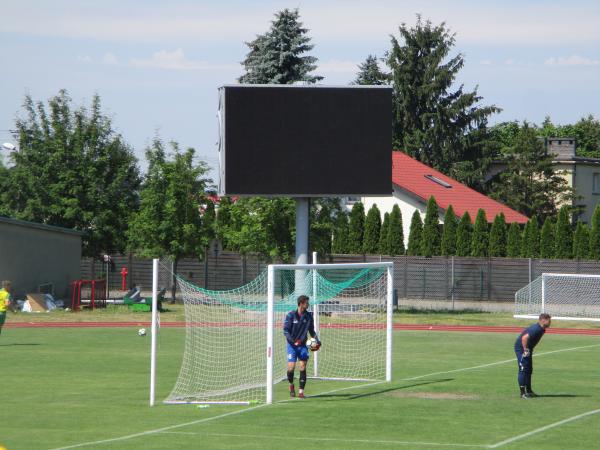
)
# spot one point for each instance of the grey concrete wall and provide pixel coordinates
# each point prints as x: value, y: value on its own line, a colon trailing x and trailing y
x: 31, y: 256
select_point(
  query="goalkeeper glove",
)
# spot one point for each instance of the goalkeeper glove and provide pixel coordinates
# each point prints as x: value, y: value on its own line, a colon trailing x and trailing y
x: 526, y: 353
x: 316, y: 347
x: 297, y: 342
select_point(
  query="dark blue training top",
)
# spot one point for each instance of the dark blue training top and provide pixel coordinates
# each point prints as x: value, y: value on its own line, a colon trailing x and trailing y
x: 298, y: 326
x: 535, y: 332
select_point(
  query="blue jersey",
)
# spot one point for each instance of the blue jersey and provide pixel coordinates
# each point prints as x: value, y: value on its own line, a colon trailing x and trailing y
x: 535, y: 332
x: 296, y: 327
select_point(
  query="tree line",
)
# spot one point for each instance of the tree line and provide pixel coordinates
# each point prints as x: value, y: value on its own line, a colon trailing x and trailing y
x: 556, y: 238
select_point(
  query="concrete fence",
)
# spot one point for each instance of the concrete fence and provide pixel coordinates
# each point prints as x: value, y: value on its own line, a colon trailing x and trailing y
x: 437, y: 282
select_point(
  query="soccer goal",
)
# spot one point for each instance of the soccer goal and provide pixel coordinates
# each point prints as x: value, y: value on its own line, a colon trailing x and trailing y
x: 235, y: 351
x: 563, y: 296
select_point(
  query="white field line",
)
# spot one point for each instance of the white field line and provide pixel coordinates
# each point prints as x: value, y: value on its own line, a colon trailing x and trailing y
x: 208, y: 419
x: 497, y: 363
x: 547, y: 427
x: 324, y: 439
x: 196, y: 422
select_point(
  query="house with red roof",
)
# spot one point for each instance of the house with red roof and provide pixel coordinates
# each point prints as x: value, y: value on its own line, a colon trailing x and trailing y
x: 414, y: 182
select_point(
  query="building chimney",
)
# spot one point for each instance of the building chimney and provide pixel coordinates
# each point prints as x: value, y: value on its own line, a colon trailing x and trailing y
x: 562, y: 148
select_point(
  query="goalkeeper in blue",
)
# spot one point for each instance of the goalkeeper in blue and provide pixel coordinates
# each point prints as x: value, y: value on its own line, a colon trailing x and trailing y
x: 524, y: 345
x: 297, y: 325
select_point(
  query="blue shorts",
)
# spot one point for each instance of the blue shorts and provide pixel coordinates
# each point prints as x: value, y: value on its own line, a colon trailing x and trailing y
x: 525, y: 363
x: 295, y: 353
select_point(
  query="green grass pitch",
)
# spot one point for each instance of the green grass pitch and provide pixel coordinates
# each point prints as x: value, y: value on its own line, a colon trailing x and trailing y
x: 67, y: 386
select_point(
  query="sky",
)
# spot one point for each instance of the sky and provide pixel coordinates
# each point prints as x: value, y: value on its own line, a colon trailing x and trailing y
x: 157, y: 65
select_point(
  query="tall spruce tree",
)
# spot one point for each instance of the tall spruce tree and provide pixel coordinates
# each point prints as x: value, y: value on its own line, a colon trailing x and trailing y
x: 435, y: 121
x: 369, y: 73
x: 498, y: 236
x: 340, y: 235
x: 463, y: 235
x: 547, y: 244
x: 595, y: 234
x: 279, y: 56
x: 564, y: 234
x: 513, y: 241
x: 395, y: 236
x: 372, y: 231
x: 414, y: 235
x: 480, y: 238
x: 581, y: 241
x: 448, y: 244
x: 383, y: 235
x: 530, y: 184
x: 356, y: 228
x: 430, y: 241
x: 531, y: 239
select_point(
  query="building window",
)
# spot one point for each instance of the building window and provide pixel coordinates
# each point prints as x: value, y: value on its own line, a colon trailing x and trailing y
x: 596, y: 183
x: 438, y: 181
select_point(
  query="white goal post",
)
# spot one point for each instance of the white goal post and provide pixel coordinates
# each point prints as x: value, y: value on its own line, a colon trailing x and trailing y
x: 562, y: 295
x: 224, y: 361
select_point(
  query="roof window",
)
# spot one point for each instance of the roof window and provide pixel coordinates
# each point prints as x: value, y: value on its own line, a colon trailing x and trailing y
x: 438, y: 181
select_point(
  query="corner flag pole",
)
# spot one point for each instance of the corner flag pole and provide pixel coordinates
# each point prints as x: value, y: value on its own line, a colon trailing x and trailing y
x: 153, y: 330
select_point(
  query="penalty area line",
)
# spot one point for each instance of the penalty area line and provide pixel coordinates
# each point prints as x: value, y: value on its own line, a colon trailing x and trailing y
x: 544, y: 428
x: 325, y: 439
x: 497, y: 363
x: 197, y: 422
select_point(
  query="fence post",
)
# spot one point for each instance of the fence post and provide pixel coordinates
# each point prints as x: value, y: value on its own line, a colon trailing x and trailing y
x: 489, y: 278
x: 452, y: 278
x: 405, y: 276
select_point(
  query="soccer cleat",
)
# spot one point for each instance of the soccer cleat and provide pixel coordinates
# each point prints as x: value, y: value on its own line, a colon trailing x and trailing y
x: 526, y: 395
x: 301, y: 395
x: 532, y: 394
x: 292, y: 391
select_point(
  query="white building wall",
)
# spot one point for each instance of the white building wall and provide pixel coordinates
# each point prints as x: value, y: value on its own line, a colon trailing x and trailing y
x: 408, y: 204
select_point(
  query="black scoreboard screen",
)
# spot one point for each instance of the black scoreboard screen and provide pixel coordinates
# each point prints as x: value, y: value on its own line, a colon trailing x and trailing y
x: 305, y: 141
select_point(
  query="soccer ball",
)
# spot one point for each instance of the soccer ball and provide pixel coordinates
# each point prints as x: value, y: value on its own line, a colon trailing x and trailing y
x: 311, y: 343
x: 142, y: 332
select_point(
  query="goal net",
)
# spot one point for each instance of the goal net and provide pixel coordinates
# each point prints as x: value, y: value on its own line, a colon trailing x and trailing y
x: 235, y: 351
x: 563, y: 296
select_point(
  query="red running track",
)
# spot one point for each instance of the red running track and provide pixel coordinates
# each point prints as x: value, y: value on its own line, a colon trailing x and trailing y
x: 459, y: 328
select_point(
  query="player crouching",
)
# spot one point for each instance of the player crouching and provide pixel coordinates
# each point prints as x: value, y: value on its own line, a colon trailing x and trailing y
x: 297, y: 325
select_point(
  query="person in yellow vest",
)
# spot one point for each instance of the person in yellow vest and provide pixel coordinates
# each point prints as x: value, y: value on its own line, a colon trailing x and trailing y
x: 4, y: 302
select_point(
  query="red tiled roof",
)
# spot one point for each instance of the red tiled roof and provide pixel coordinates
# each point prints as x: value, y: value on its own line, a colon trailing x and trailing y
x: 416, y: 178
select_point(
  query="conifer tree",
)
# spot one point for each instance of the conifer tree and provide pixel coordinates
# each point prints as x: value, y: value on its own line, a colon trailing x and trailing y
x: 498, y: 236
x: 448, y: 245
x: 414, y: 235
x: 513, y: 244
x: 547, y: 244
x: 531, y: 239
x: 395, y: 237
x: 581, y: 241
x: 369, y: 73
x: 279, y: 55
x: 595, y: 234
x: 436, y: 120
x: 480, y: 238
x: 564, y: 235
x: 356, y: 229
x: 340, y: 235
x: 372, y: 231
x: 383, y: 236
x: 463, y: 235
x: 430, y: 240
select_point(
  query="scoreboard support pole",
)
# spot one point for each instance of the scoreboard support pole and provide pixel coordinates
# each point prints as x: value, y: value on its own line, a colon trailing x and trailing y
x: 302, y: 224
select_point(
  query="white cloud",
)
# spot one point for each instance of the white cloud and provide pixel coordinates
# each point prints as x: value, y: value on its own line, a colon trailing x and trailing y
x: 176, y: 60
x: 573, y: 60
x: 110, y: 58
x: 339, y: 66
x: 482, y: 23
